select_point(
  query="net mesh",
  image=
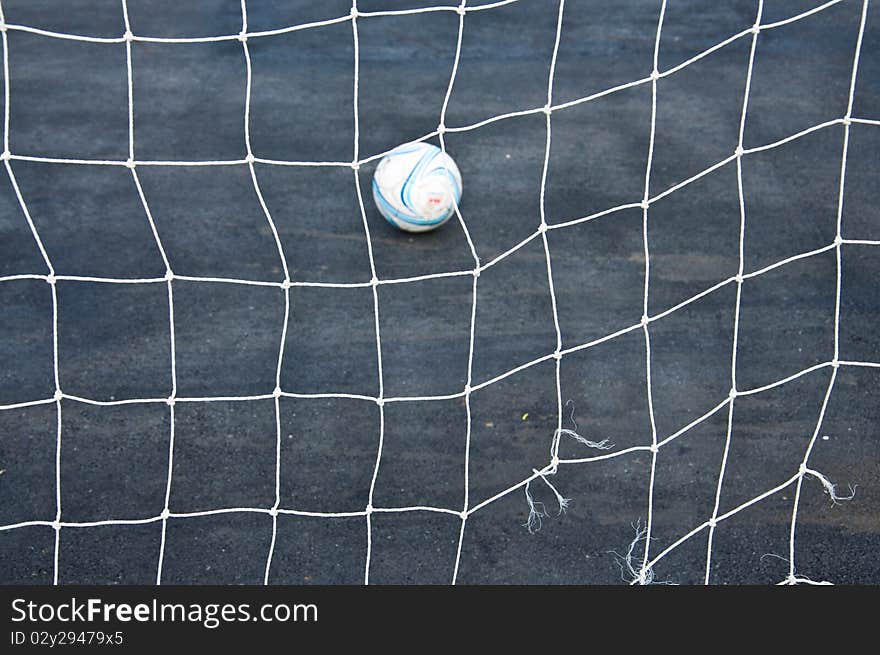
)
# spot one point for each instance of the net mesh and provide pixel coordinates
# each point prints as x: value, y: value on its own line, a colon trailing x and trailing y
x: 637, y: 562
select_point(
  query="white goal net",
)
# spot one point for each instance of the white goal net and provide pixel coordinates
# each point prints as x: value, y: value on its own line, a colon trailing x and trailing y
x: 548, y: 493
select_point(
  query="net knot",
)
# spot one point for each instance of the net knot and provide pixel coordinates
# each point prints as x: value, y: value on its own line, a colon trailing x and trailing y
x: 355, y: 165
x: 739, y: 278
x: 756, y: 28
x: 369, y: 508
x: 165, y: 514
x: 6, y: 156
x: 655, y: 75
x: 249, y: 158
x: 286, y: 284
x: 441, y: 129
x: 169, y: 275
x: 733, y: 393
x: 542, y: 227
x: 170, y: 401
x: 380, y: 402
x: 354, y: 13
x: 51, y: 278
x: 740, y: 151
x: 273, y: 512
x: 58, y: 395
x: 847, y: 121
x: 460, y: 9
x: 835, y: 363
x: 838, y: 240
x: 276, y: 392
x: 547, y: 109
x: 129, y: 163
x: 644, y: 204
x: 56, y: 525
x: 242, y: 36
x: 128, y: 37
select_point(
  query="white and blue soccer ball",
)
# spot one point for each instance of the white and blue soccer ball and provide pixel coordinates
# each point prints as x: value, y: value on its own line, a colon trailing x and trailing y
x: 417, y: 187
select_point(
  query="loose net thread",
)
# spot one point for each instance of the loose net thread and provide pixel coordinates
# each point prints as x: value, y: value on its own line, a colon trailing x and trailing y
x: 635, y: 568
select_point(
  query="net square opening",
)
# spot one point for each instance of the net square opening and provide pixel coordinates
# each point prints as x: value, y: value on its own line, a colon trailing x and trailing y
x: 68, y: 99
x: 27, y: 370
x: 175, y: 20
x: 100, y: 18
x: 514, y: 320
x: 328, y: 453
x: 423, y: 455
x: 598, y: 275
x: 218, y: 549
x: 786, y: 320
x: 331, y: 342
x: 302, y: 95
x: 114, y: 340
x: 413, y: 548
x: 195, y: 113
x: 227, y: 338
x: 312, y: 550
x: 28, y: 455
x: 98, y: 443
x: 224, y: 455
x: 416, y: 71
x: 598, y: 154
x: 693, y: 239
x: 109, y: 554
x: 425, y: 330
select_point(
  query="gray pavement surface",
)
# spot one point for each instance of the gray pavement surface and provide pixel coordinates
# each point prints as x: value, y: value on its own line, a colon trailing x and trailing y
x: 68, y: 100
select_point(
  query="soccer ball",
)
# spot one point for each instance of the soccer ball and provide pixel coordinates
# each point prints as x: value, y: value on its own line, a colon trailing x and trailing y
x: 417, y: 187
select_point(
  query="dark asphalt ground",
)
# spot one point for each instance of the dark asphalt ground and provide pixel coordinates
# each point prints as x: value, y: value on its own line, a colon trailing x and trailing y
x: 69, y: 100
